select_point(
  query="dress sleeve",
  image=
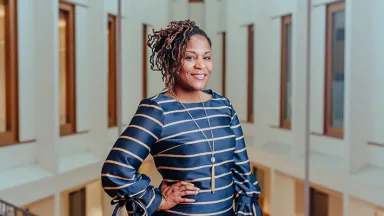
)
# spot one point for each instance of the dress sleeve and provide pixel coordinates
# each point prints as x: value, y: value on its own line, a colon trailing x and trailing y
x: 119, y: 175
x: 246, y: 187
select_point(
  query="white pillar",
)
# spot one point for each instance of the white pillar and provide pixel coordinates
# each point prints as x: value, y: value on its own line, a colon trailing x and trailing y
x: 358, y: 21
x: 299, y: 78
x: 46, y: 72
x: 98, y: 87
x: 211, y: 10
x: 58, y: 205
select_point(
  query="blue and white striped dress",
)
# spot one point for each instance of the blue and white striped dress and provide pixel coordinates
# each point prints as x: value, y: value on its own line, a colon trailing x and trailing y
x: 162, y: 127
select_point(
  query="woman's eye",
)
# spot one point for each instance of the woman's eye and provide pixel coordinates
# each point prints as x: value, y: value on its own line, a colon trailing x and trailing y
x: 207, y: 57
x: 189, y: 57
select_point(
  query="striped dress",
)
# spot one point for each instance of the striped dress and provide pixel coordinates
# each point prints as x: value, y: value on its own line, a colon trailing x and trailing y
x: 161, y: 127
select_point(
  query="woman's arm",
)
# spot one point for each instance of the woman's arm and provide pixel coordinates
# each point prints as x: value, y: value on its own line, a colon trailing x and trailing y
x: 119, y: 176
x: 246, y: 187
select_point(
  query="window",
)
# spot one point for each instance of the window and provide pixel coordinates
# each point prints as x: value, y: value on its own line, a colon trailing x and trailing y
x: 112, y: 118
x: 318, y: 203
x: 77, y: 203
x: 334, y: 70
x: 286, y: 73
x: 250, y: 74
x: 8, y: 73
x: 67, y: 69
x: 224, y: 54
x: 145, y: 61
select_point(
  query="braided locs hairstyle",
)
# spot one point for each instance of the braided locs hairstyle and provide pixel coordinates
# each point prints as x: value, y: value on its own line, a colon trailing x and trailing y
x: 168, y: 48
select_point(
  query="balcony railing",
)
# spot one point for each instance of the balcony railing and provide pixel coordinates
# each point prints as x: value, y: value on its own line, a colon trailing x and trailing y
x: 7, y: 209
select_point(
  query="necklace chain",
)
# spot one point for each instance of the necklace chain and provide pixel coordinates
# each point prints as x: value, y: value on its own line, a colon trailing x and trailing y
x: 212, y: 147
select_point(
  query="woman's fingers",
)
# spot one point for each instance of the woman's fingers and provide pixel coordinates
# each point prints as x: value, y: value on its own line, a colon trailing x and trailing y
x: 185, y: 200
x: 188, y: 192
x: 174, y: 193
x: 188, y: 187
x: 181, y: 183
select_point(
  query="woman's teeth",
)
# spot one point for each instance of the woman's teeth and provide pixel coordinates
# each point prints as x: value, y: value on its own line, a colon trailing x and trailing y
x: 199, y: 76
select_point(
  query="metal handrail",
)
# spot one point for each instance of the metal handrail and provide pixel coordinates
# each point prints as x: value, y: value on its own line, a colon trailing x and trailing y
x: 7, y: 209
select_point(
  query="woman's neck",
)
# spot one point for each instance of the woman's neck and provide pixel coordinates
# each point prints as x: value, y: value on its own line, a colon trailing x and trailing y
x: 187, y: 96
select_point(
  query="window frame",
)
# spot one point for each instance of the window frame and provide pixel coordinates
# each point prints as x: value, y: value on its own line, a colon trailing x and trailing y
x: 329, y: 130
x: 112, y: 97
x: 70, y: 128
x: 284, y: 123
x: 11, y: 135
x: 250, y: 73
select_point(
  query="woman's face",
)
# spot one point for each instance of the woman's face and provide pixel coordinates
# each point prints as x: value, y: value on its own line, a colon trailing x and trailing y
x: 197, y: 65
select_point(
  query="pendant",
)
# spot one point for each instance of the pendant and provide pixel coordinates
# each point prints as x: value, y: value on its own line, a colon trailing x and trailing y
x: 213, y: 159
x: 213, y: 177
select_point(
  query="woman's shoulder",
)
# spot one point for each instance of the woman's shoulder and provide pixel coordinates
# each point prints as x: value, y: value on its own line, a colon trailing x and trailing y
x: 219, y: 97
x: 150, y: 102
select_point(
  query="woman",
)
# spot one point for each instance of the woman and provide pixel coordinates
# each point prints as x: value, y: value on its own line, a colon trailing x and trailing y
x: 194, y: 136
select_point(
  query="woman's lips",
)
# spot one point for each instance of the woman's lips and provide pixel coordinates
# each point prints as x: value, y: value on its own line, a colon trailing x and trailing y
x: 199, y: 76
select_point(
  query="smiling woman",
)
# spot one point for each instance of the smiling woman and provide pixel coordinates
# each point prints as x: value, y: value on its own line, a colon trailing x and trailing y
x: 193, y: 134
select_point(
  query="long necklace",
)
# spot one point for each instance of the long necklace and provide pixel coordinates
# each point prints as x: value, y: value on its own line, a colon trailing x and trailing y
x: 212, y: 147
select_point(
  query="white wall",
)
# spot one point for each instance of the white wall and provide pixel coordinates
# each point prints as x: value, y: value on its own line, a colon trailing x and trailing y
x: 283, y: 193
x: 46, y: 163
x: 357, y: 207
x: 44, y: 207
x: 179, y: 9
x: 376, y: 78
x: 197, y: 13
x: 94, y: 199
x: 211, y: 11
x: 338, y: 159
x: 236, y: 57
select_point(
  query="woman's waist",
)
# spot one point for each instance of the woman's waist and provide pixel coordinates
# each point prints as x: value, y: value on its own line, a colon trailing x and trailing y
x: 207, y: 202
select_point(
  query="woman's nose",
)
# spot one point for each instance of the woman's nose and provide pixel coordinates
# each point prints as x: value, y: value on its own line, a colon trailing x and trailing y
x: 200, y: 64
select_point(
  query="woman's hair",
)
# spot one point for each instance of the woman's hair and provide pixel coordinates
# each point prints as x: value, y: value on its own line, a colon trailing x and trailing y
x: 168, y: 48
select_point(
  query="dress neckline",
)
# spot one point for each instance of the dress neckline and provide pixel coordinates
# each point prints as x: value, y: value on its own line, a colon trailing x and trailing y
x: 208, y: 91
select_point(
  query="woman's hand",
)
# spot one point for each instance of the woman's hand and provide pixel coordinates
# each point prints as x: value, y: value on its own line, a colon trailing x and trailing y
x: 173, y: 194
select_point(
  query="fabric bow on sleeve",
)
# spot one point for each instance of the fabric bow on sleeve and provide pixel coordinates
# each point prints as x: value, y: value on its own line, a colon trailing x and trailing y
x: 245, y: 204
x: 134, y: 207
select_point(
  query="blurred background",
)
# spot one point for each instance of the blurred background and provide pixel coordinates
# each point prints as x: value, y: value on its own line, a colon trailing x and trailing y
x: 67, y: 70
